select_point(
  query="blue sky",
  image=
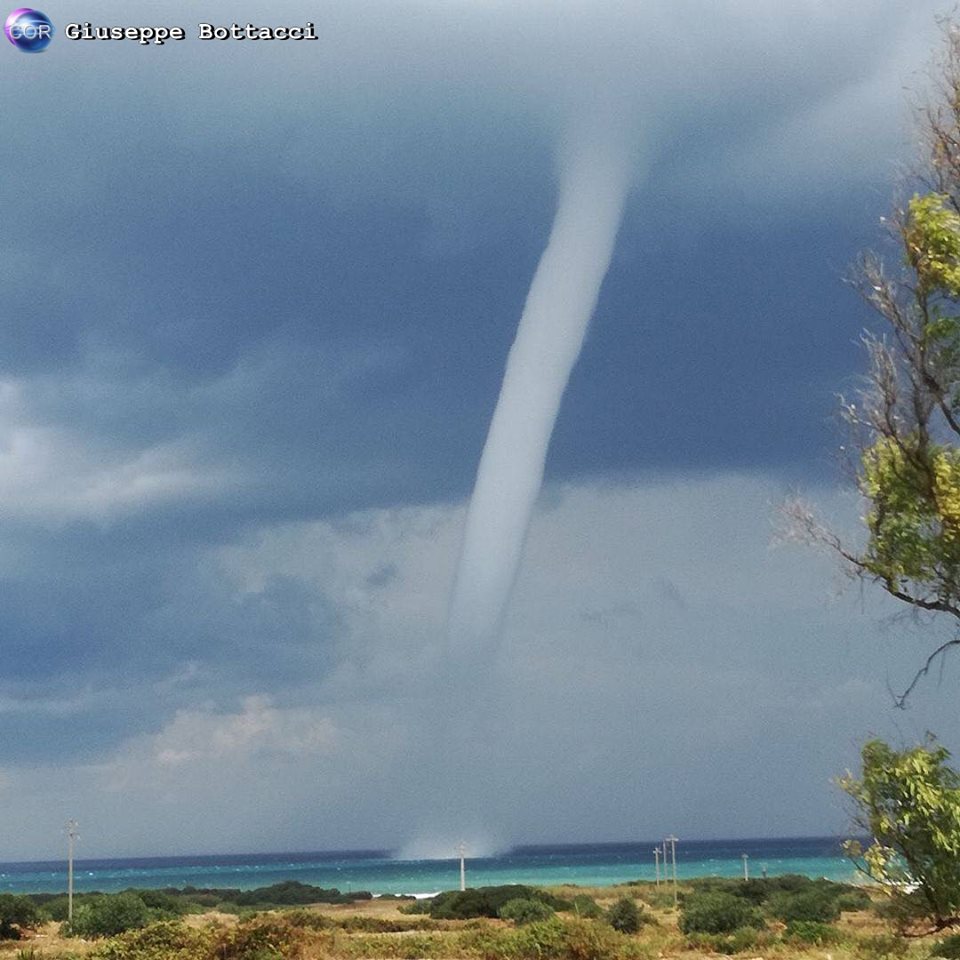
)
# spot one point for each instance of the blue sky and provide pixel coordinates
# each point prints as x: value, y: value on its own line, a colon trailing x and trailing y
x: 258, y: 299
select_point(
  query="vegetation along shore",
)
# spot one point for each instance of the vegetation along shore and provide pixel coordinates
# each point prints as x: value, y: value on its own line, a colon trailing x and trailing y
x: 779, y: 917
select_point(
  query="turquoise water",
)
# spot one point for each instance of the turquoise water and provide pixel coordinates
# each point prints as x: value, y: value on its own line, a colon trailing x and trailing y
x: 379, y: 872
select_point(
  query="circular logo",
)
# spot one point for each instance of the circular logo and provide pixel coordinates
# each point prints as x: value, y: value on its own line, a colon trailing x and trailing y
x: 29, y: 30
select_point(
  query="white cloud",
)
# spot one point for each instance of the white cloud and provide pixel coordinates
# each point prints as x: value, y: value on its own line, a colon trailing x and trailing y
x: 635, y: 603
x: 654, y: 630
x: 257, y: 728
x: 55, y: 474
x: 659, y: 653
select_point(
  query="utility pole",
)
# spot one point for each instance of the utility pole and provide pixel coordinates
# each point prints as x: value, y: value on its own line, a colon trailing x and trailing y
x: 656, y: 857
x: 746, y: 869
x: 71, y: 837
x: 672, y: 840
x: 463, y: 867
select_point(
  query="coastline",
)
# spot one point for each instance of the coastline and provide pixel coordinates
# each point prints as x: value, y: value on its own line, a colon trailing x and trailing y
x: 590, y: 865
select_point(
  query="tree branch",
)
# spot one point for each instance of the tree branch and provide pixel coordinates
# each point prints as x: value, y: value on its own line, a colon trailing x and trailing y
x: 900, y: 700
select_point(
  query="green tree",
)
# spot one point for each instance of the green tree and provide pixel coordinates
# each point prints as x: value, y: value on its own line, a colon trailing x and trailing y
x: 908, y: 801
x: 905, y: 422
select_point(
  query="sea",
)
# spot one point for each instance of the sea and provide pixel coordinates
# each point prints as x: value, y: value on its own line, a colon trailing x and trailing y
x: 380, y: 872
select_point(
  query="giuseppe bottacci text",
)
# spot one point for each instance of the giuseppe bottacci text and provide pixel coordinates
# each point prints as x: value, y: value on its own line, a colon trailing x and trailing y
x: 205, y: 31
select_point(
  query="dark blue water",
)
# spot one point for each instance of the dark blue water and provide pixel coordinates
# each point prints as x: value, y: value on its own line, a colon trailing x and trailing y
x: 379, y: 872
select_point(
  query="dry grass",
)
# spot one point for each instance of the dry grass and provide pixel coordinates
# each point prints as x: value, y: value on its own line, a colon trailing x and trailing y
x: 46, y: 941
x: 385, y: 909
x: 862, y: 935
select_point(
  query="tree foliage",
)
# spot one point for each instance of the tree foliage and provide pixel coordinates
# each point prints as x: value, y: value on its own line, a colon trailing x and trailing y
x: 107, y: 915
x: 905, y: 421
x: 908, y: 801
x: 17, y: 914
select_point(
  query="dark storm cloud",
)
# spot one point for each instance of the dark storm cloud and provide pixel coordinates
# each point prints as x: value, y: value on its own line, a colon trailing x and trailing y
x: 187, y: 234
x: 249, y: 288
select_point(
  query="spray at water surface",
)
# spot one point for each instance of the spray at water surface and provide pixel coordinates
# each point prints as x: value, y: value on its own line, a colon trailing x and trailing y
x: 595, y: 163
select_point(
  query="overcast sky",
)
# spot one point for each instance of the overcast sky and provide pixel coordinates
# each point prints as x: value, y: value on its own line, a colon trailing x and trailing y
x: 257, y: 302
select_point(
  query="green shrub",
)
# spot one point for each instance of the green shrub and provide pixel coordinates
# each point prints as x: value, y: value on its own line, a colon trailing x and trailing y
x: 353, y: 923
x: 55, y: 908
x: 587, y: 907
x: 106, y: 915
x: 207, y: 899
x: 419, y: 945
x: 854, y: 898
x: 163, y: 904
x: 717, y: 912
x: 226, y: 906
x: 417, y: 906
x: 543, y: 939
x: 904, y: 910
x: 16, y: 915
x: 264, y: 937
x: 291, y: 893
x: 171, y: 902
x: 312, y: 920
x: 757, y: 891
x: 791, y: 896
x: 633, y: 948
x: 792, y: 882
x: 624, y: 915
x: 881, y: 947
x: 737, y: 941
x: 487, y: 901
x: 589, y: 940
x: 660, y: 898
x: 167, y: 940
x: 948, y: 947
x: 743, y: 938
x: 812, y: 932
x: 552, y: 939
x: 815, y: 904
x: 415, y: 947
x: 521, y: 910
